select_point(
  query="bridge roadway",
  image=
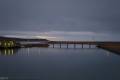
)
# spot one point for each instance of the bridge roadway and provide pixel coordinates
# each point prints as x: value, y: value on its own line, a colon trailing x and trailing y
x: 83, y: 42
x: 97, y: 43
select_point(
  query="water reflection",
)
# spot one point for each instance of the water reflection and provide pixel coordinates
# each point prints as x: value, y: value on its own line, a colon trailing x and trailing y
x: 8, y: 52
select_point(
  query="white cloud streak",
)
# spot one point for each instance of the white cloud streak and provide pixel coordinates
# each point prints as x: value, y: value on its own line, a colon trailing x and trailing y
x: 56, y: 35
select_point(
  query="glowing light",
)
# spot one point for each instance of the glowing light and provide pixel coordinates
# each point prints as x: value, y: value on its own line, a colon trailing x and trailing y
x: 8, y: 44
x: 5, y: 52
x: 8, y: 52
x: 12, y: 51
x: 5, y: 44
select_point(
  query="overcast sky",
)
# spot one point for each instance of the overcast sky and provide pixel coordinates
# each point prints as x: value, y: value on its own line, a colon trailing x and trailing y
x: 61, y: 19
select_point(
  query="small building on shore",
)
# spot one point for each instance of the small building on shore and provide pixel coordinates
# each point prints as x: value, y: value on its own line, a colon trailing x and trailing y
x: 8, y: 44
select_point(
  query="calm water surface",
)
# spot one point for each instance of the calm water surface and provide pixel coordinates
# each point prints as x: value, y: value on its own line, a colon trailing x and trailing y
x: 59, y: 64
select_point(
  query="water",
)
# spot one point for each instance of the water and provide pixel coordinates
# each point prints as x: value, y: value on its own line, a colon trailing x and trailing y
x: 59, y: 64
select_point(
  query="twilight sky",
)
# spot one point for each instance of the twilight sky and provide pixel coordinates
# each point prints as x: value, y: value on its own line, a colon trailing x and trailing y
x: 61, y: 19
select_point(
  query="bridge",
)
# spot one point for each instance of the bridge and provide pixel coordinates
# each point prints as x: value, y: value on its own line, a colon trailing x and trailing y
x: 82, y: 43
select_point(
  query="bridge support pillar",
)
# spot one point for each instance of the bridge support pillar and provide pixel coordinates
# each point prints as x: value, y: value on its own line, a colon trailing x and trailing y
x: 53, y: 45
x: 67, y: 45
x: 89, y: 45
x: 60, y: 45
x: 74, y: 45
x: 82, y: 45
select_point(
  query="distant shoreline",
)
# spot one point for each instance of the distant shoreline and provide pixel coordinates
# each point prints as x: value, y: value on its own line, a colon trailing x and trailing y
x: 111, y: 47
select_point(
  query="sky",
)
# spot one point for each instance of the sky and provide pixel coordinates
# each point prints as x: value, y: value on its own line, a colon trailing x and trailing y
x: 97, y: 20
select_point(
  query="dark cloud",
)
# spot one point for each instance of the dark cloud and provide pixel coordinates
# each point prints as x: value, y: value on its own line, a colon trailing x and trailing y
x: 60, y: 15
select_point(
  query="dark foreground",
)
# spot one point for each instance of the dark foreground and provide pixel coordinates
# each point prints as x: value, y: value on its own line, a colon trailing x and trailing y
x: 59, y: 64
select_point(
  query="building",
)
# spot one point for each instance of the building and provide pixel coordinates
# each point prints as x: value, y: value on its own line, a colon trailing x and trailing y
x: 8, y: 44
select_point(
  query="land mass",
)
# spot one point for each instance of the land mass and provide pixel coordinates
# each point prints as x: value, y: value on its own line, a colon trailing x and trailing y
x: 21, y: 39
x: 110, y: 46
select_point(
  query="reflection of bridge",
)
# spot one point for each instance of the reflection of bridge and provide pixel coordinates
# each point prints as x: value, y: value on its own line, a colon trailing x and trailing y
x: 90, y: 43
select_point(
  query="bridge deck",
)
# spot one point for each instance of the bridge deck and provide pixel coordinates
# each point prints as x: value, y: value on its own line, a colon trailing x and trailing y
x: 83, y: 42
x: 108, y: 45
